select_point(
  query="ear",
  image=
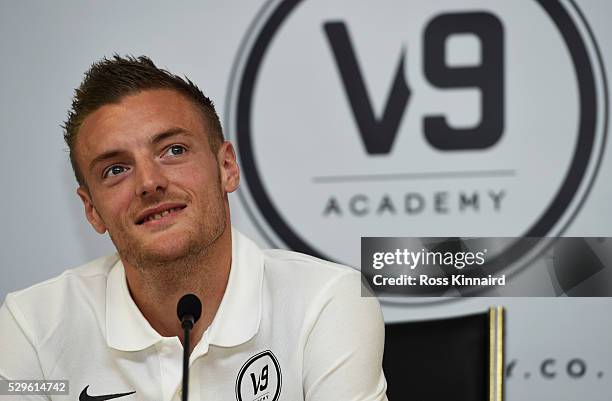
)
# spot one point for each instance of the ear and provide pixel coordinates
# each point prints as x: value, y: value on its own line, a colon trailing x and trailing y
x: 228, y: 166
x: 90, y: 211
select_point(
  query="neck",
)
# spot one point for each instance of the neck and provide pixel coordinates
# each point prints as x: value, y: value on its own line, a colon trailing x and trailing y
x: 156, y: 291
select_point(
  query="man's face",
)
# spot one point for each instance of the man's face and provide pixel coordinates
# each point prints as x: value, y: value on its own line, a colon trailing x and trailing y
x: 152, y: 179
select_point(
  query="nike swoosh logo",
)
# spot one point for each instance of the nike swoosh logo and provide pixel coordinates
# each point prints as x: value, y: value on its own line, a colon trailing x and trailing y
x: 86, y: 397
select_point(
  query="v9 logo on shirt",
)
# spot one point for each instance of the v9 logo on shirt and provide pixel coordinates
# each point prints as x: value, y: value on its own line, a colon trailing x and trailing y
x: 416, y: 119
x: 259, y: 379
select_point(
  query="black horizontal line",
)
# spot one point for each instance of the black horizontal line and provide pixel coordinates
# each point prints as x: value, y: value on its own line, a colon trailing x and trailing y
x: 414, y: 176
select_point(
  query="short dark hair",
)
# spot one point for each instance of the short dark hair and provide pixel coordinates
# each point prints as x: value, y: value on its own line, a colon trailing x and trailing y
x: 108, y: 81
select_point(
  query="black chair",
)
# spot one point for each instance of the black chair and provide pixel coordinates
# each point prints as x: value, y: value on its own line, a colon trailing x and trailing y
x: 451, y: 359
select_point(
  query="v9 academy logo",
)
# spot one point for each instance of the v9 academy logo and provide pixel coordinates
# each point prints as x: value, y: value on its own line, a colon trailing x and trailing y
x: 416, y: 119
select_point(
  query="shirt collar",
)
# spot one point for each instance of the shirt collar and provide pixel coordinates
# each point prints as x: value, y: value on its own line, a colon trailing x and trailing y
x: 126, y: 327
x: 236, y: 321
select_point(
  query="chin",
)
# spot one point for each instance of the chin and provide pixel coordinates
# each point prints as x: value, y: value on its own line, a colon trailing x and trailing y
x: 155, y: 253
x: 168, y: 252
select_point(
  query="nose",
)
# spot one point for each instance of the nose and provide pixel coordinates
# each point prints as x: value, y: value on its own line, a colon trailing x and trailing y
x: 151, y: 178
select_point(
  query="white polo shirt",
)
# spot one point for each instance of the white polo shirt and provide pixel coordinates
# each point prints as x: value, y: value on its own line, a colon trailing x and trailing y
x: 289, y: 327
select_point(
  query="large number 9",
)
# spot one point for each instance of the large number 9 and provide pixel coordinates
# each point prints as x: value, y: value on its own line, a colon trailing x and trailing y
x: 488, y: 77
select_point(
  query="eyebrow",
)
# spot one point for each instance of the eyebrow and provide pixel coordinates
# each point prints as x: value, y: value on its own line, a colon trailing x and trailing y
x: 157, y: 138
x: 168, y: 134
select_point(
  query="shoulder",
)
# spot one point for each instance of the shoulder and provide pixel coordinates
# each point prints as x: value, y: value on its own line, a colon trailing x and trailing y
x: 38, y: 308
x: 291, y: 263
x: 315, y: 286
x: 77, y: 280
x: 308, y: 273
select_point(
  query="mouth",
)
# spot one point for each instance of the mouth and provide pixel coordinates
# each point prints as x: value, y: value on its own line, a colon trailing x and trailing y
x: 159, y: 213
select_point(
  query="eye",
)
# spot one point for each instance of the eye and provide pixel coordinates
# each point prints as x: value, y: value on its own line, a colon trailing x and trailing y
x: 114, y: 170
x: 175, y: 150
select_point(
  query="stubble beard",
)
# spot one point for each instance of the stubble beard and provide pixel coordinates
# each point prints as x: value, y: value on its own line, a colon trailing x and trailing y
x: 164, y: 273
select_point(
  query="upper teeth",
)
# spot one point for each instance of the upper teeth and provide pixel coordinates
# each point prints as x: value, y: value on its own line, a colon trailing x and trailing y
x: 159, y: 215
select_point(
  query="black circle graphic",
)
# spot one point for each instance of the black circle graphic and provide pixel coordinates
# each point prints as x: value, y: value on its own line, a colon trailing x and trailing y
x: 583, y: 151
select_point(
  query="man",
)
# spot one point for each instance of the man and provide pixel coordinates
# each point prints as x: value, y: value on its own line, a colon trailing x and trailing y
x: 154, y: 172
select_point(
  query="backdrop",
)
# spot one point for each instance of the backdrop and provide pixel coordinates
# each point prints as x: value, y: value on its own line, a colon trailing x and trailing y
x: 394, y: 118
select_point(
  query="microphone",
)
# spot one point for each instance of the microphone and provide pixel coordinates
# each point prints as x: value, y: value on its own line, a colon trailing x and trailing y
x: 188, y: 310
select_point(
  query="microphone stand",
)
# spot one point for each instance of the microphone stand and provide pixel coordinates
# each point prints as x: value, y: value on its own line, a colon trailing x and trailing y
x: 188, y: 310
x: 187, y: 324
